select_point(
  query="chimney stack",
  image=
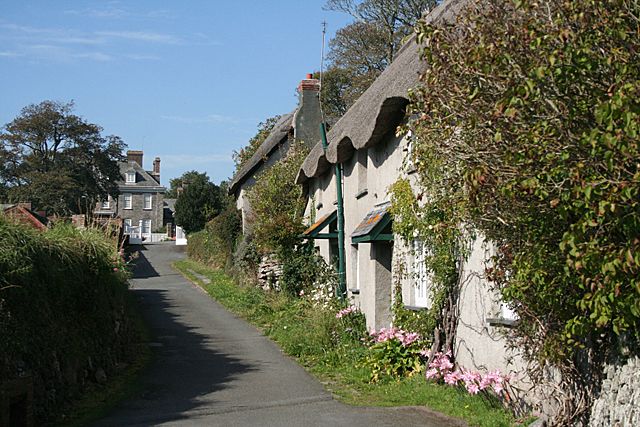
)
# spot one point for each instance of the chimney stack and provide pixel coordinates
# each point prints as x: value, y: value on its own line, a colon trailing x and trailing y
x: 308, y: 116
x: 135, y: 156
x: 156, y: 169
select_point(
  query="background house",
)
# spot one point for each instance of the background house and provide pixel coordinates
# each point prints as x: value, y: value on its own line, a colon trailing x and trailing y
x: 140, y: 203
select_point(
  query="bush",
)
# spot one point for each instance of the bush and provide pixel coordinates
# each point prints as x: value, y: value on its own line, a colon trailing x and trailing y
x: 527, y: 128
x: 64, y: 314
x: 215, y: 244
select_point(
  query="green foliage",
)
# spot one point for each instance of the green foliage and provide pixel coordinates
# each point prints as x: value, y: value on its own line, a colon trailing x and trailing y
x: 215, y: 244
x: 435, y: 223
x: 277, y: 203
x: 302, y: 269
x: 48, y: 281
x: 392, y: 359
x: 200, y: 201
x: 264, y: 129
x: 58, y: 161
x: 527, y: 125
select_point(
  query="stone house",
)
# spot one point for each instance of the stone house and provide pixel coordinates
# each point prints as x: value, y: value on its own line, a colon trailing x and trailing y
x: 372, y: 157
x: 140, y: 203
x: 302, y: 124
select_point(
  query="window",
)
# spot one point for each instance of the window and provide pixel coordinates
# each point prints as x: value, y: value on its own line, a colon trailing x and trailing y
x: 147, y: 201
x: 355, y: 271
x: 420, y: 274
x: 146, y: 226
x: 106, y: 204
x: 361, y: 168
x: 131, y: 177
x: 127, y: 198
x: 127, y: 225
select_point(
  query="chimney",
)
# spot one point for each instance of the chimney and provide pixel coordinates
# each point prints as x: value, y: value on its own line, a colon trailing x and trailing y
x: 135, y: 156
x: 308, y: 116
x: 156, y: 169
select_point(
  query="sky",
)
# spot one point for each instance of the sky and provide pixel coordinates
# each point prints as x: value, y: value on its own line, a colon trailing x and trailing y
x: 185, y: 80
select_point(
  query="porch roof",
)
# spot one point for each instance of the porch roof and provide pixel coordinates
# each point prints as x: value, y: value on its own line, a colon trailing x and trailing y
x: 372, y: 226
x: 313, y: 232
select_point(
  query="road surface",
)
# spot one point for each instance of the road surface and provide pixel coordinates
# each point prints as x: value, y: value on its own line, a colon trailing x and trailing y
x: 211, y: 368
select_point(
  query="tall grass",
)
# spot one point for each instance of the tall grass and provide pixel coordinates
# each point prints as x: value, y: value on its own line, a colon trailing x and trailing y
x: 64, y: 314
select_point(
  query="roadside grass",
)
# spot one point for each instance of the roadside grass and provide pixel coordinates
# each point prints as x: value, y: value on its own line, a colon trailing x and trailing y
x: 308, y: 333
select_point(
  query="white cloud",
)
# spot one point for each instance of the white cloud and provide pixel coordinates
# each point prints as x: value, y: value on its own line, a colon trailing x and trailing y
x: 10, y: 54
x: 142, y: 36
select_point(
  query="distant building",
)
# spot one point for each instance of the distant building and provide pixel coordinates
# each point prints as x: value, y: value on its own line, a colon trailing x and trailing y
x: 140, y: 203
x: 22, y: 213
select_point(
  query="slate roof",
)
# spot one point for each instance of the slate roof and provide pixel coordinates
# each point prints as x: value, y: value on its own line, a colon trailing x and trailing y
x: 373, y: 218
x: 380, y: 109
x: 144, y: 181
x: 279, y: 134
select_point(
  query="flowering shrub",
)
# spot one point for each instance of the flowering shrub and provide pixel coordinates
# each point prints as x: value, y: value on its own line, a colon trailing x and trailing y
x: 352, y: 324
x: 441, y: 368
x: 346, y: 311
x: 394, y: 352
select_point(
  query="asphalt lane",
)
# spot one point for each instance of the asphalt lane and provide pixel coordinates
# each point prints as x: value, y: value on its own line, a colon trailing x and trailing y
x: 211, y: 368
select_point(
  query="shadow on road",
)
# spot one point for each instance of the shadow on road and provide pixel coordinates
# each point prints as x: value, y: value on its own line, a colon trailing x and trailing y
x: 186, y: 367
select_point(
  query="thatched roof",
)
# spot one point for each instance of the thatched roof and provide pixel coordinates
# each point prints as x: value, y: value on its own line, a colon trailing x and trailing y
x: 278, y: 135
x: 380, y: 109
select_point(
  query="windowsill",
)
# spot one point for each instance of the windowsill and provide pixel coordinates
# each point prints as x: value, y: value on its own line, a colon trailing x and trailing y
x: 147, y: 209
x: 501, y: 322
x: 415, y: 308
x: 354, y: 291
x: 128, y: 209
x: 362, y: 193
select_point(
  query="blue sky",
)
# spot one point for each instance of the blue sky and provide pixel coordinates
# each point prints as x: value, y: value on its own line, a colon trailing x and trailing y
x: 184, y: 80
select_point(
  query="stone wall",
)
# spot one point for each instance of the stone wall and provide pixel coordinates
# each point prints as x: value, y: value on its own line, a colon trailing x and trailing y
x: 619, y: 401
x: 269, y: 273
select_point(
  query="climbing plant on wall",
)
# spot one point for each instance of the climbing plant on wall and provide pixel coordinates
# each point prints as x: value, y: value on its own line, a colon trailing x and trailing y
x: 526, y: 130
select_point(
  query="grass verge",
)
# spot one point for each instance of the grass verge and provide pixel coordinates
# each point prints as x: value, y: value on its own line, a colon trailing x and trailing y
x: 310, y: 335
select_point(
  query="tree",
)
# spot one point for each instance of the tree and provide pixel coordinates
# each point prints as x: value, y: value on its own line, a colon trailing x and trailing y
x: 58, y: 161
x: 176, y: 185
x: 360, y: 51
x: 199, y: 201
x: 264, y: 129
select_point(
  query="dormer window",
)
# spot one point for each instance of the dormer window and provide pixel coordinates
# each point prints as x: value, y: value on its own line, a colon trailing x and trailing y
x: 131, y: 177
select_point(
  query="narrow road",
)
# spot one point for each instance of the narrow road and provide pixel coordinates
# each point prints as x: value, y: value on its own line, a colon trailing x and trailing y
x: 211, y: 368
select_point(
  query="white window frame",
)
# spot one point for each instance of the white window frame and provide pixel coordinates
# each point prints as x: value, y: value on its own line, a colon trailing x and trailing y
x: 131, y: 177
x: 127, y: 197
x: 146, y: 227
x: 148, y: 198
x: 127, y: 225
x: 106, y: 204
x: 420, y: 274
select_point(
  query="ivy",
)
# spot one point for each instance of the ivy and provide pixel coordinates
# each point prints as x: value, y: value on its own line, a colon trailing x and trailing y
x: 526, y: 130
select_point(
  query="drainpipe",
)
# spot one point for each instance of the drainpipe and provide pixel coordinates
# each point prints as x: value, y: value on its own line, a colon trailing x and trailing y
x: 342, y: 282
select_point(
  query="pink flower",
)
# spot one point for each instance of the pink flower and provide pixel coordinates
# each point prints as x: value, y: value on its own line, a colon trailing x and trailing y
x: 452, y: 378
x: 472, y: 388
x: 432, y: 373
x: 301, y: 292
x: 425, y: 352
x: 115, y: 269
